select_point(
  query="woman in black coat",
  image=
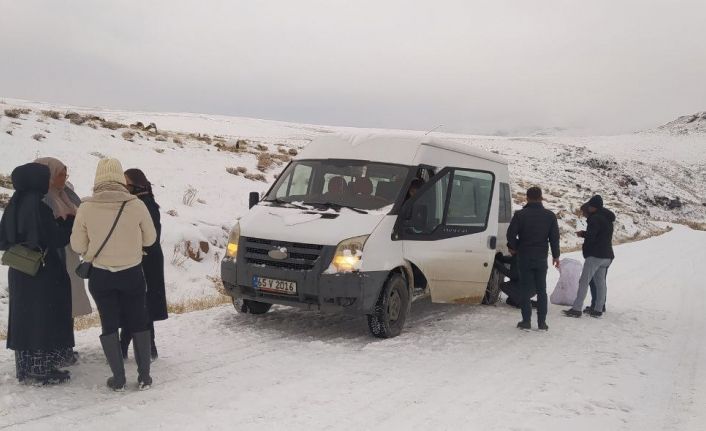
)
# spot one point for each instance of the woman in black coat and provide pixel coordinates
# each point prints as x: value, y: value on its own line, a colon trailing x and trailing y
x: 152, y: 261
x: 40, y: 327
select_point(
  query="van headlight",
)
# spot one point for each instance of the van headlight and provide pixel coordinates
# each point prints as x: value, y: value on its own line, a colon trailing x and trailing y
x: 349, y: 253
x: 233, y: 239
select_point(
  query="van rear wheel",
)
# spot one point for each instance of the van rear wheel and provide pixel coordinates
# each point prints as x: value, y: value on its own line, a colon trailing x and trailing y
x: 247, y: 306
x: 391, y: 309
x: 492, y: 292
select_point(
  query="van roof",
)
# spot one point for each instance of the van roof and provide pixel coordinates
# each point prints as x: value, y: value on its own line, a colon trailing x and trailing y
x: 386, y: 147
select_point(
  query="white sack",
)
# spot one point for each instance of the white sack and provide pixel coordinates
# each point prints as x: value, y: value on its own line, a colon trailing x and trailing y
x: 568, y: 285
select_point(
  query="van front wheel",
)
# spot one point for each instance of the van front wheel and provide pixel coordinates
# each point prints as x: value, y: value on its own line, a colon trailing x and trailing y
x: 492, y: 292
x: 246, y: 306
x: 391, y: 310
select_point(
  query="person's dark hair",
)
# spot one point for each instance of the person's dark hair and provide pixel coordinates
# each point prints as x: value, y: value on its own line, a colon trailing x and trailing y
x: 534, y: 194
x: 139, y: 180
x: 416, y: 184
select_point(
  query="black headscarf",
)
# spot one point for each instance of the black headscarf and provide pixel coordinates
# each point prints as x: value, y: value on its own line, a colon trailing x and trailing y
x: 21, y: 221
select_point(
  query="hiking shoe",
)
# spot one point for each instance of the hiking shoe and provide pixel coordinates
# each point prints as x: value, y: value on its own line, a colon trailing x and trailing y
x: 524, y: 325
x: 595, y: 314
x: 543, y: 326
x: 572, y: 313
x: 115, y: 384
x: 144, y: 383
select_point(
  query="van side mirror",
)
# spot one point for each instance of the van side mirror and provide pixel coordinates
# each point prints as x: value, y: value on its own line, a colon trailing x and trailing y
x: 253, y: 199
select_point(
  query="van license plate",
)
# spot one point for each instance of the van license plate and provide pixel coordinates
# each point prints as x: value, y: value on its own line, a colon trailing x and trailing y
x: 276, y: 286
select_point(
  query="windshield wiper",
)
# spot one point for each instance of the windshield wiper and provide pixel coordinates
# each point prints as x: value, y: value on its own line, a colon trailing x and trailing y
x: 337, y: 207
x: 282, y: 202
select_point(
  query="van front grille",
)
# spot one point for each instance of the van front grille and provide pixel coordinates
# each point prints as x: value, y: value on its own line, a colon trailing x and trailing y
x: 300, y: 257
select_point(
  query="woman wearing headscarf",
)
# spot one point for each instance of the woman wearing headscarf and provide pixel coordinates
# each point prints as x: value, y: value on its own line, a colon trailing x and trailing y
x: 152, y: 260
x: 64, y: 202
x: 116, y: 281
x: 39, y: 324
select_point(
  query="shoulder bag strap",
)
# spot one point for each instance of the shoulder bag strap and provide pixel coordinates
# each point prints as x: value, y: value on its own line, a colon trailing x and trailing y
x: 115, y: 223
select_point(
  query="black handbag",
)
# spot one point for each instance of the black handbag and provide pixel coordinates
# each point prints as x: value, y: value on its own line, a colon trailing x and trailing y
x: 84, y: 268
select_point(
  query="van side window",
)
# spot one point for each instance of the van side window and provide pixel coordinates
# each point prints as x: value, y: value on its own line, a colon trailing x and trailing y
x: 505, y: 211
x: 454, y: 204
x: 470, y: 199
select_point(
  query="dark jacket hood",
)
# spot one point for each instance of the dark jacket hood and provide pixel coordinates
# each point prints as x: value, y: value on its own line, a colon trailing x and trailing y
x: 31, y: 177
x: 595, y: 202
x: 610, y: 215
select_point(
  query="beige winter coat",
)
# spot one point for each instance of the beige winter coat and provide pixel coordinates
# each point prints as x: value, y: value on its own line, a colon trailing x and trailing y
x: 134, y: 230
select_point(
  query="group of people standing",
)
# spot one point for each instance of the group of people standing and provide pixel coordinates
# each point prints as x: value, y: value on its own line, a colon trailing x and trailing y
x: 117, y: 230
x: 533, y: 231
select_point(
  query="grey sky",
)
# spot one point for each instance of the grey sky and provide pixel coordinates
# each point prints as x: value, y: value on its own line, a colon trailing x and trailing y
x: 475, y: 66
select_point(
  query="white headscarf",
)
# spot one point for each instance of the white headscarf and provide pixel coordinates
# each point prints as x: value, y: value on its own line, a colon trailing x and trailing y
x: 58, y: 199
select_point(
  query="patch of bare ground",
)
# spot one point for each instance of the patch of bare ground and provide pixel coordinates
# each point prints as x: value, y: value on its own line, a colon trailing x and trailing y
x: 16, y: 112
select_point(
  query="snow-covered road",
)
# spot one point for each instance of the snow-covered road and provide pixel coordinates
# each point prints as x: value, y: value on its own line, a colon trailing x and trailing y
x: 641, y: 367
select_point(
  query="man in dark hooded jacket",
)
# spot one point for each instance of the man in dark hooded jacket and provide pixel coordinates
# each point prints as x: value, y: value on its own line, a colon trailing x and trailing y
x: 598, y: 252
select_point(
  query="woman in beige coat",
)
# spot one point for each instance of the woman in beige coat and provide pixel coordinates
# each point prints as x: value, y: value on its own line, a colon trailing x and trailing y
x: 116, y: 282
x: 64, y: 203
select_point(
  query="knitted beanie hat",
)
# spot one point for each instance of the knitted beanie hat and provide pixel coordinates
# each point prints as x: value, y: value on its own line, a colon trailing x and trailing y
x: 109, y: 171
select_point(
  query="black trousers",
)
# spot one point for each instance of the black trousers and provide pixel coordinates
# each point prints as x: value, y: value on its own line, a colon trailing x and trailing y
x: 533, y: 280
x: 120, y: 297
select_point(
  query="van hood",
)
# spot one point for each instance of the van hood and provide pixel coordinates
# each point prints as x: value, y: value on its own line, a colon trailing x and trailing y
x: 307, y: 226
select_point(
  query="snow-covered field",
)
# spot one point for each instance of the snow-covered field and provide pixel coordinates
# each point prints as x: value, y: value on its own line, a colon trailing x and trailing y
x: 640, y: 175
x: 640, y: 367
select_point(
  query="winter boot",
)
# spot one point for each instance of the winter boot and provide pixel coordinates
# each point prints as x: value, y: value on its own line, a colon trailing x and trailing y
x: 543, y: 326
x: 125, y: 338
x: 141, y: 344
x: 572, y: 313
x: 111, y: 348
x: 524, y: 325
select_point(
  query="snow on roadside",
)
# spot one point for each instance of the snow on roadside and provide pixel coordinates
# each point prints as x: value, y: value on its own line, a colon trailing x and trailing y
x: 640, y: 367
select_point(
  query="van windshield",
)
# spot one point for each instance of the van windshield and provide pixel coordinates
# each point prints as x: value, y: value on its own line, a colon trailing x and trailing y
x: 340, y: 183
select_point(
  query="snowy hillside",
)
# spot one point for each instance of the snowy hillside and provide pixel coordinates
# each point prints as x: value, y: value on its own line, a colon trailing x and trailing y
x: 694, y: 123
x: 203, y: 167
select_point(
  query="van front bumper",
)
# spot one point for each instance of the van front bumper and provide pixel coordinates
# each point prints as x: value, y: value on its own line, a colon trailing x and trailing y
x: 353, y: 292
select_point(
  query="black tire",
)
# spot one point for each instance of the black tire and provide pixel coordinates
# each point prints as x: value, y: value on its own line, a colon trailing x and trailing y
x: 391, y: 309
x: 492, y: 292
x: 247, y: 306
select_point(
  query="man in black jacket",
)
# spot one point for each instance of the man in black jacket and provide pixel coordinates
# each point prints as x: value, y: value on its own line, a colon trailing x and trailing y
x: 532, y: 230
x: 598, y: 252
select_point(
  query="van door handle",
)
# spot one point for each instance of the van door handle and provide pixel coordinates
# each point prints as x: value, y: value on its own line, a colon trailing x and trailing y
x: 493, y: 242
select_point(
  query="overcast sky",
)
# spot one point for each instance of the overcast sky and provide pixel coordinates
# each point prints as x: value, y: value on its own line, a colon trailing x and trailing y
x: 605, y: 66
